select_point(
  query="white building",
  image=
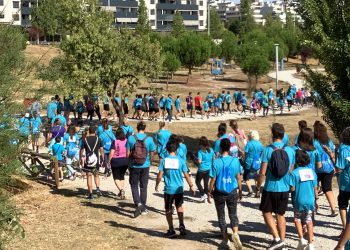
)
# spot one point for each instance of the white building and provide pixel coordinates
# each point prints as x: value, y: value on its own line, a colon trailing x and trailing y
x: 10, y: 12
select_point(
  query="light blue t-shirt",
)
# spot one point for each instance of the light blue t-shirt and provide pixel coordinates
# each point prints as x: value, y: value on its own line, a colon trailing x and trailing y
x: 51, y: 109
x: 162, y: 138
x: 107, y: 137
x: 228, y: 98
x: 253, y: 148
x: 62, y: 119
x: 344, y: 164
x: 178, y: 104
x: 35, y: 122
x: 138, y: 102
x: 205, y: 106
x: 217, y: 142
x: 68, y: 140
x: 219, y: 163
x: 57, y: 150
x: 182, y: 152
x: 320, y: 150
x: 100, y: 129
x: 173, y: 168
x: 285, y: 139
x: 117, y: 100
x: 244, y: 101
x: 207, y: 160
x: 304, y: 194
x: 128, y: 130
x: 150, y: 146
x: 314, y: 158
x: 168, y: 103
x: 272, y: 184
x: 23, y: 126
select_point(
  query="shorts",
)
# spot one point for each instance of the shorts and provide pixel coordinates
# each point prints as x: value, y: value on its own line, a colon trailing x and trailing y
x: 138, y: 108
x: 326, y: 181
x: 170, y: 198
x: 154, y: 110
x: 274, y: 202
x: 189, y: 107
x: 304, y: 216
x: 250, y: 174
x: 198, y: 108
x: 35, y: 136
x: 119, y: 173
x: 144, y: 109
x: 343, y: 200
x: 106, y: 107
x: 93, y: 170
x: 254, y: 111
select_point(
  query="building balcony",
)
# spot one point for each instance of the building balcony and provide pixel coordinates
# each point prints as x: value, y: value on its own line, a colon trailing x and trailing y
x: 125, y: 15
x: 26, y: 10
x: 121, y: 3
x: 169, y: 6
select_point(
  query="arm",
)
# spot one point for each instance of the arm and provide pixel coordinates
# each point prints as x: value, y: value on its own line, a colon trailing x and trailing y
x: 159, y: 179
x: 151, y: 157
x: 318, y: 165
x: 211, y: 188
x: 261, y: 176
x: 102, y: 155
x: 239, y: 181
x: 189, y: 182
x: 111, y: 153
x: 81, y: 156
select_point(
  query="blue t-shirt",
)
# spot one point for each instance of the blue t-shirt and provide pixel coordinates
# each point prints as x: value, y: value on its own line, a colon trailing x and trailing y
x: 207, y: 160
x: 320, y: 150
x: 314, y: 158
x: 343, y: 163
x: 117, y: 100
x: 68, y: 140
x: 161, y: 102
x: 138, y: 102
x: 168, y: 103
x: 304, y: 194
x: 244, y: 101
x: 205, y: 106
x: 173, y: 168
x: 228, y: 98
x: 36, y: 123
x: 182, y: 152
x: 235, y: 95
x: 23, y: 126
x: 272, y: 184
x: 217, y: 142
x: 51, y: 109
x: 57, y: 150
x: 270, y: 95
x: 234, y: 164
x: 107, y: 137
x: 62, y: 119
x: 252, y: 148
x: 178, y: 104
x: 150, y: 146
x: 127, y: 130
x: 285, y: 139
x: 162, y: 138
x: 126, y: 100
x: 100, y: 129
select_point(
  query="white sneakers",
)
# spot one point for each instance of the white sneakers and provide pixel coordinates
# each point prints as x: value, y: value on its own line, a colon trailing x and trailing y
x: 310, y: 247
x: 237, y: 241
x: 303, y: 245
x: 203, y: 198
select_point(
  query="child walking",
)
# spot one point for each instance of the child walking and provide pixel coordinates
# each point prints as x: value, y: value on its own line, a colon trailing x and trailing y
x: 303, y: 183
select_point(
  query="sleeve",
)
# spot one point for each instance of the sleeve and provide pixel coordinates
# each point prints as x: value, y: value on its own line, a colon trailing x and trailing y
x: 184, y: 167
x: 129, y: 143
x: 161, y: 165
x: 82, y: 144
x: 317, y: 156
x: 265, y: 155
x: 246, y: 149
x: 212, y: 172
x: 99, y: 144
x: 217, y: 146
x: 292, y: 180
x: 199, y: 155
x: 113, y: 145
x: 151, y: 145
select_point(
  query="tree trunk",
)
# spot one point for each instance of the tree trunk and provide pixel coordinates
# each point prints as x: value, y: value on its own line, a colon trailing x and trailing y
x: 189, y: 74
x: 256, y: 82
x: 167, y: 81
x: 249, y: 90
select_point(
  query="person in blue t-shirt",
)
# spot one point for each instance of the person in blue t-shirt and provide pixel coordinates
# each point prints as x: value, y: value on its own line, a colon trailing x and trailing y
x: 252, y: 152
x: 71, y: 144
x: 343, y: 167
x: 243, y: 102
x: 235, y: 97
x: 276, y: 190
x: 301, y: 124
x: 51, y: 109
x: 205, y: 157
x: 177, y: 107
x: 222, y: 134
x: 35, y: 124
x: 326, y: 149
x: 127, y: 128
x: 225, y: 179
x: 303, y: 183
x: 206, y: 109
x: 162, y: 138
x: 106, y: 135
x: 228, y: 100
x: 172, y: 168
x: 285, y: 139
x: 139, y: 173
x: 58, y: 150
x: 169, y: 107
x: 62, y: 119
x: 24, y: 125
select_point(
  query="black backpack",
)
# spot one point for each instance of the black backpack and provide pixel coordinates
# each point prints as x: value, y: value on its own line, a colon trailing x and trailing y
x: 279, y: 162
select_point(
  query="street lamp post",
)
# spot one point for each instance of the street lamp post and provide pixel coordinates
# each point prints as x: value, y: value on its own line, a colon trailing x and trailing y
x: 276, y: 45
x: 208, y: 18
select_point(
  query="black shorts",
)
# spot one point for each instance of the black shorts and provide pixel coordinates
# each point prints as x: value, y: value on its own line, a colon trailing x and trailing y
x: 326, y: 181
x: 106, y: 107
x: 126, y: 109
x: 170, y: 198
x: 198, y: 108
x: 274, y: 202
x: 144, y: 109
x: 189, y: 107
x: 138, y: 108
x: 250, y: 174
x: 92, y: 170
x: 343, y: 200
x: 162, y: 108
x: 119, y: 173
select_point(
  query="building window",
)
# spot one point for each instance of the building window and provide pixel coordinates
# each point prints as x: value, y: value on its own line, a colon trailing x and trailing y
x: 1, y: 2
x: 188, y: 2
x: 15, y: 4
x: 153, y: 22
x: 153, y: 11
x: 15, y: 17
x: 201, y: 12
x: 24, y: 4
x: 200, y: 3
x: 2, y: 16
x: 201, y: 23
x: 152, y: 1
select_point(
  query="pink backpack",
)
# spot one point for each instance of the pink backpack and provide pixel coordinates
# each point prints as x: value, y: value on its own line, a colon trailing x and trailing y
x: 120, y: 149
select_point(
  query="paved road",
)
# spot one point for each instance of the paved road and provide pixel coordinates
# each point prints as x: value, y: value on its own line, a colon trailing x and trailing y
x: 288, y: 76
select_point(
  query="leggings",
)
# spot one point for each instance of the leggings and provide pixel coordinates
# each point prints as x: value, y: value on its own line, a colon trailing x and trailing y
x: 90, y: 114
x: 265, y: 110
x: 202, y: 176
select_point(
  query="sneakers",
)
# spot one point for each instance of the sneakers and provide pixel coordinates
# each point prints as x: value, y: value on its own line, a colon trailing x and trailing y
x: 203, y: 198
x: 173, y: 210
x: 237, y: 241
x: 302, y: 244
x: 226, y: 244
x: 138, y: 210
x: 98, y: 192
x: 310, y: 247
x: 90, y: 197
x: 170, y: 234
x: 182, y: 230
x: 145, y: 211
x: 276, y: 245
x: 122, y: 194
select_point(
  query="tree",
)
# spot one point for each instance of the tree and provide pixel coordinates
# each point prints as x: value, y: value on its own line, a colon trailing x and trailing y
x: 234, y: 26
x: 170, y: 64
x: 216, y: 25
x: 246, y: 16
x: 142, y: 26
x: 326, y: 28
x: 194, y: 50
x: 12, y: 70
x: 178, y: 27
x: 228, y: 46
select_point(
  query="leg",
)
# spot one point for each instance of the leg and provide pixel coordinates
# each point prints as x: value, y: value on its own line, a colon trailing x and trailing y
x: 270, y: 223
x: 143, y: 185
x: 299, y: 228
x: 331, y: 200
x: 281, y: 224
x: 89, y: 182
x: 199, y: 177
x: 134, y: 183
x: 220, y: 202
x: 97, y: 180
x: 232, y: 211
x: 206, y: 183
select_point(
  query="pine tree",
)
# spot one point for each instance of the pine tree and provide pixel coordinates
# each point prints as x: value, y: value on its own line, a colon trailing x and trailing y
x: 178, y: 27
x: 143, y: 27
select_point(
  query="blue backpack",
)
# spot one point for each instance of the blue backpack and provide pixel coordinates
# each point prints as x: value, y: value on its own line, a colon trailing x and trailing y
x: 327, y: 164
x: 225, y: 180
x: 72, y: 150
x: 256, y: 164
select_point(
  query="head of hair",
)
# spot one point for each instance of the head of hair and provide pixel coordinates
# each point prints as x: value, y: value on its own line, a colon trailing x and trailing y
x: 222, y: 129
x: 277, y: 131
x: 302, y: 124
x: 120, y: 134
x: 174, y: 138
x: 169, y: 95
x: 345, y: 136
x: 320, y: 133
x: 178, y: 96
x: 234, y: 125
x: 57, y: 121
x: 306, y: 139
x: 58, y: 139
x: 172, y: 146
x: 225, y: 145
x: 198, y: 93
x: 92, y: 129
x: 71, y: 130
x: 105, y: 123
x: 141, y: 126
x: 190, y: 93
x: 302, y: 158
x: 204, y: 143
x: 52, y: 98
x: 254, y: 135
x: 316, y: 123
x: 161, y: 124
x: 117, y: 95
x: 144, y: 95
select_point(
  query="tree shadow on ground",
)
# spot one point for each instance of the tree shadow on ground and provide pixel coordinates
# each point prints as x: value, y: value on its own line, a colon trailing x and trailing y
x: 230, y: 80
x: 80, y: 193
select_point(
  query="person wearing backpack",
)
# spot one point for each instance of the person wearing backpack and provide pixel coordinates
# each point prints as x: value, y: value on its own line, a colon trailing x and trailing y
x: 172, y: 169
x: 119, y: 161
x: 222, y: 134
x: 343, y: 167
x: 303, y: 184
x: 162, y: 138
x: 189, y: 104
x: 58, y: 151
x: 51, y: 109
x: 35, y: 125
x: 277, y: 160
x: 94, y: 158
x: 107, y: 137
x: 140, y: 149
x: 127, y: 128
x: 326, y: 149
x: 71, y: 144
x: 252, y: 159
x: 225, y: 179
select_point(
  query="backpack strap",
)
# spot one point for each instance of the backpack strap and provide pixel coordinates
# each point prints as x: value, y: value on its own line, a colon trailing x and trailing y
x: 87, y: 144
